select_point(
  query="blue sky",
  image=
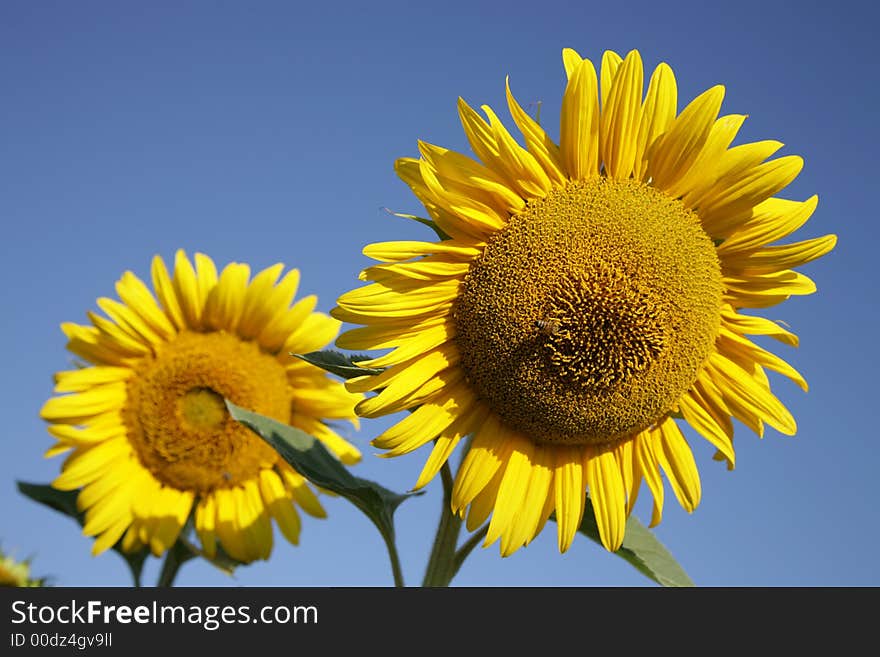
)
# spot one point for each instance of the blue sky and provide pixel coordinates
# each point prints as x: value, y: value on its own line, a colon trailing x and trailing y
x: 266, y: 132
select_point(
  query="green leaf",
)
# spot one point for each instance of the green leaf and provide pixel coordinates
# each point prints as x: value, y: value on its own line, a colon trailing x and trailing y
x: 430, y: 223
x: 339, y: 364
x: 641, y: 549
x: 311, y: 459
x: 65, y: 502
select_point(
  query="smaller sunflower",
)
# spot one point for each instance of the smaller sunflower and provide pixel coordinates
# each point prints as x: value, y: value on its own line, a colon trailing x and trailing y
x: 145, y: 418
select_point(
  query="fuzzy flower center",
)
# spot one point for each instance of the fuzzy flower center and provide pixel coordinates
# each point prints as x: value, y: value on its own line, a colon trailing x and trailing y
x: 177, y: 420
x: 591, y: 313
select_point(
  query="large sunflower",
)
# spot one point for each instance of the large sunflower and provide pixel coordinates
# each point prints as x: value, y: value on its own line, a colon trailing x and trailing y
x: 151, y: 437
x: 589, y: 295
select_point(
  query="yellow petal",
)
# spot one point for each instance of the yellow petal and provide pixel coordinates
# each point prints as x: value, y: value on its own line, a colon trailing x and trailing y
x: 750, y: 325
x: 279, y: 505
x: 476, y: 218
x: 702, y: 173
x: 769, y: 221
x: 261, y: 526
x: 186, y: 288
x: 519, y: 165
x: 483, y: 504
x: 130, y: 322
x: 88, y: 377
x: 461, y: 426
x: 677, y: 461
x: 116, y: 337
x: 165, y: 293
x: 111, y: 535
x: 391, y: 333
x: 611, y: 62
x: 402, y: 294
x: 763, y: 290
x: 399, y: 397
x: 420, y: 343
x: 410, y: 171
x: 570, y: 493
x: 775, y: 258
x: 511, y: 492
x: 489, y: 450
x: 471, y: 177
x: 672, y: 155
x: 87, y: 343
x: 571, y: 60
x: 301, y: 491
x: 314, y: 333
x: 607, y: 496
x: 227, y: 530
x: 539, y: 143
x: 206, y: 276
x: 226, y: 299
x: 257, y: 311
x: 579, y: 124
x: 620, y: 118
x: 431, y: 268
x: 697, y: 413
x: 741, y: 194
x: 646, y: 456
x: 81, y: 406
x: 279, y: 330
x: 205, y: 523
x: 410, y: 373
x: 110, y: 480
x: 344, y: 450
x: 528, y: 517
x: 277, y: 303
x: 405, y: 250
x: 138, y: 297
x: 658, y: 112
x: 737, y: 386
x: 428, y: 421
x: 629, y: 471
x: 740, y: 349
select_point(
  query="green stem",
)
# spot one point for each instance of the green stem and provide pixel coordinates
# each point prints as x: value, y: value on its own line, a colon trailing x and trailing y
x: 174, y: 559
x: 441, y: 565
x: 468, y: 547
x: 395, y: 560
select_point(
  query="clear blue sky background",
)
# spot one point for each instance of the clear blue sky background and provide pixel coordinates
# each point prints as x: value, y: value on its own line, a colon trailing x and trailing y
x: 266, y: 131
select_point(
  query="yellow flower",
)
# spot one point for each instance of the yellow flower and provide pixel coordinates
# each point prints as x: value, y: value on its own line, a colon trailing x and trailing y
x: 15, y: 573
x: 589, y: 294
x: 151, y: 437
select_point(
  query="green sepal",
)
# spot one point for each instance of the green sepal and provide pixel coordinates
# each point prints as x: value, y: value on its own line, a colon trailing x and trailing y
x: 339, y: 364
x: 430, y: 223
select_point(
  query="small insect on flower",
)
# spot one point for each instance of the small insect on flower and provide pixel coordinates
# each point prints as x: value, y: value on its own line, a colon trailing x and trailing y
x: 547, y: 326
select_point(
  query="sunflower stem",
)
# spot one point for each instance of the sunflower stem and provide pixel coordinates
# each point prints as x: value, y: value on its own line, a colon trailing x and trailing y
x: 468, y: 546
x: 396, y: 572
x: 174, y: 559
x: 442, y: 563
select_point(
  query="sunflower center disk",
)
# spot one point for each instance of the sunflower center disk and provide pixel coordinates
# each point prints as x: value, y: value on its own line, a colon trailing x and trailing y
x: 591, y: 313
x: 177, y: 418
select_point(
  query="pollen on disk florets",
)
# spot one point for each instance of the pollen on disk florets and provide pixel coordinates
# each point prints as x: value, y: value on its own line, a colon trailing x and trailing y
x: 177, y: 419
x: 591, y: 312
